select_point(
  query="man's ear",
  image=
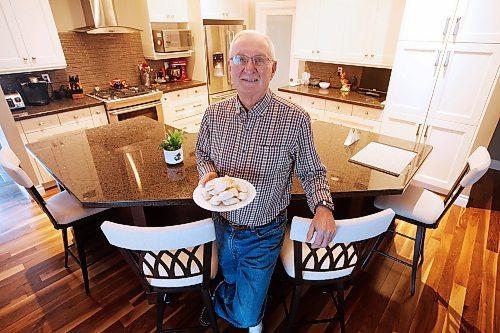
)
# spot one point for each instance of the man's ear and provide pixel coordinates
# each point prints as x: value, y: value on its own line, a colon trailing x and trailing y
x: 273, y: 69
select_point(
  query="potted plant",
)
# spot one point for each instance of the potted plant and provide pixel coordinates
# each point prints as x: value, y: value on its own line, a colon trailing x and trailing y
x: 172, y: 147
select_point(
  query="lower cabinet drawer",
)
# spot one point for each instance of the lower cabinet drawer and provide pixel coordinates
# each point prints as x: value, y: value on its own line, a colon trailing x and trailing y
x: 190, y: 124
x: 338, y: 107
x: 75, y: 116
x: 40, y: 123
x: 367, y: 113
x: 290, y: 97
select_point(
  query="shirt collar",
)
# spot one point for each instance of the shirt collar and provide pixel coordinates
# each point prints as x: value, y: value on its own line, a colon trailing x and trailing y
x: 258, y: 108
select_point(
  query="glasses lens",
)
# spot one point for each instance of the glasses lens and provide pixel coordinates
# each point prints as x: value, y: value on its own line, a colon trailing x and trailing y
x: 260, y: 60
x: 240, y: 59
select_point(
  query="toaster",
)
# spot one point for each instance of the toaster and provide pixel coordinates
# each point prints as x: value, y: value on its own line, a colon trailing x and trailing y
x: 15, y: 101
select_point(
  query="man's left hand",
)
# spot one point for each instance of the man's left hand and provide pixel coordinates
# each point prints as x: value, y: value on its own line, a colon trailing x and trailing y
x: 324, y: 225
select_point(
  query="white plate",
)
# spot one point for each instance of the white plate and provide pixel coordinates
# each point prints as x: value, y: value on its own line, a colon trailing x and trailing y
x: 198, y: 199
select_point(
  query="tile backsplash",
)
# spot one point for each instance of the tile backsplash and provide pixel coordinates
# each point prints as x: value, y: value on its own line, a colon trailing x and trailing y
x: 328, y: 72
x: 96, y: 59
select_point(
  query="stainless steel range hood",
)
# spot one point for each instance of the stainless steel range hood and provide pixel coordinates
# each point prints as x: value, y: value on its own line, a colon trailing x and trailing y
x: 100, y: 17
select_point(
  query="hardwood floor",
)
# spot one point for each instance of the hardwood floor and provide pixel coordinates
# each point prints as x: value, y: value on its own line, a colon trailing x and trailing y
x: 457, y: 288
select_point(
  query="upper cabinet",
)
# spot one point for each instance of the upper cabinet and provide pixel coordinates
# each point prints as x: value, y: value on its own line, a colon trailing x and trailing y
x: 29, y: 37
x: 224, y: 9
x: 359, y: 32
x: 149, y: 15
x: 451, y: 21
x: 168, y: 11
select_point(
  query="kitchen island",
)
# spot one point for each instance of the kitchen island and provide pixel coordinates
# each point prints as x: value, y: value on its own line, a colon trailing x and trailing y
x: 121, y: 165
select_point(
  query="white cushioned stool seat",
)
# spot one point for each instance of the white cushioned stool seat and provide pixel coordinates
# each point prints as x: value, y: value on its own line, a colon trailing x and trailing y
x: 66, y: 208
x: 415, y: 203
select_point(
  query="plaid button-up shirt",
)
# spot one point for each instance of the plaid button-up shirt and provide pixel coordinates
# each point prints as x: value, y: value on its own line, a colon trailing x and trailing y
x: 264, y: 146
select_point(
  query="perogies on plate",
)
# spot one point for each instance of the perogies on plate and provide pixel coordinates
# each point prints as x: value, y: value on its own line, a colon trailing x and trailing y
x: 224, y: 194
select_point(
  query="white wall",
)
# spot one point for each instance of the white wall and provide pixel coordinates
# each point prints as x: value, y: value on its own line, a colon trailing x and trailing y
x: 68, y: 14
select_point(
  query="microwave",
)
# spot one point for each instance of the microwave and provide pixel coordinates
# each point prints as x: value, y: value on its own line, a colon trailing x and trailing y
x: 173, y: 40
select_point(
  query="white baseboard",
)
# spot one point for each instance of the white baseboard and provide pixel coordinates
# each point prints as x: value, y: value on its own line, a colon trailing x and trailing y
x: 495, y: 165
x: 462, y: 200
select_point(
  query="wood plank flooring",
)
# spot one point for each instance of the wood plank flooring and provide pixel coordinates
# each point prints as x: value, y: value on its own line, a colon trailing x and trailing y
x: 457, y: 290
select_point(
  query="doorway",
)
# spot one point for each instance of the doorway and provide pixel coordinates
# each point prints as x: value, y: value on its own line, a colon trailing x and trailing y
x: 276, y: 19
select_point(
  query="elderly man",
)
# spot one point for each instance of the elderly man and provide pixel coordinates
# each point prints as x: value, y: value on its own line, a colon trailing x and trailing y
x: 263, y: 139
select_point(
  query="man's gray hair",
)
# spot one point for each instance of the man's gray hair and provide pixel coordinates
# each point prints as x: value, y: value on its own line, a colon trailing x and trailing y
x: 268, y: 40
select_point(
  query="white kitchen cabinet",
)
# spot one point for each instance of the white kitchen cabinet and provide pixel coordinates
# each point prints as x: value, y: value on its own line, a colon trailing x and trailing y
x: 317, y: 35
x: 323, y: 36
x: 314, y: 106
x: 182, y: 108
x: 224, y: 9
x: 295, y: 98
x: 437, y: 94
x: 451, y: 21
x: 373, y: 41
x: 99, y: 116
x: 29, y: 37
x: 450, y: 142
x: 168, y: 10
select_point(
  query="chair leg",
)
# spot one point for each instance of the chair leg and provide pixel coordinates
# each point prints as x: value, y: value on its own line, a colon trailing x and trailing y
x: 207, y: 301
x: 160, y: 311
x: 80, y: 246
x: 422, y: 247
x: 340, y: 306
x: 293, y: 307
x: 372, y: 250
x: 416, y: 256
x: 66, y: 246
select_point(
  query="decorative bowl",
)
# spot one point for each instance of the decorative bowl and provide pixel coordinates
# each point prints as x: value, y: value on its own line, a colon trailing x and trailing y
x: 324, y: 85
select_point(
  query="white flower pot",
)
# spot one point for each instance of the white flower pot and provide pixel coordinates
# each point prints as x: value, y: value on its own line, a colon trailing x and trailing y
x: 173, y: 156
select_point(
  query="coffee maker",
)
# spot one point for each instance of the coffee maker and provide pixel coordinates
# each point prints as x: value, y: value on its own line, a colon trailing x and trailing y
x: 37, y: 91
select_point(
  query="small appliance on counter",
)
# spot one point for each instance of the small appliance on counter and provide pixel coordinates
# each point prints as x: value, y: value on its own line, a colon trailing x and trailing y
x: 15, y: 101
x: 37, y: 91
x: 177, y: 70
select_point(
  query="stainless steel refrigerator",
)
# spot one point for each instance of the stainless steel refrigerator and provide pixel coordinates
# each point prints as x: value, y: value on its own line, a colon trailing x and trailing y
x: 217, y: 41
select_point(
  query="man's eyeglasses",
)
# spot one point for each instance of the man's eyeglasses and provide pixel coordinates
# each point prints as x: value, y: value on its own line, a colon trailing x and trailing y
x: 257, y: 60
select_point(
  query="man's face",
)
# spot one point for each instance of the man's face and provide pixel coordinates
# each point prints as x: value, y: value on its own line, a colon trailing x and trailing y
x: 250, y: 79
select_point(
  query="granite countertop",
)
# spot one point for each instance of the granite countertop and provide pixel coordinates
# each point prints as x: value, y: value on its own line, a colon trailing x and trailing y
x: 335, y: 94
x: 121, y: 164
x: 57, y: 106
x: 65, y: 105
x: 174, y: 86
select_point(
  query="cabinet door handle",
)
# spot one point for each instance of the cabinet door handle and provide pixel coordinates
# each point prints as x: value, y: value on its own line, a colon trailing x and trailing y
x: 98, y: 112
x: 426, y: 130
x: 179, y: 110
x: 25, y: 59
x: 197, y: 105
x: 447, y: 61
x: 75, y: 116
x: 41, y: 123
x: 446, y: 25
x: 418, y: 129
x: 33, y: 58
x: 457, y: 24
x: 438, y: 55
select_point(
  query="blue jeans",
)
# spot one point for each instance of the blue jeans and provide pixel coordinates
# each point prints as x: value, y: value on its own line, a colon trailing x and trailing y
x: 247, y: 259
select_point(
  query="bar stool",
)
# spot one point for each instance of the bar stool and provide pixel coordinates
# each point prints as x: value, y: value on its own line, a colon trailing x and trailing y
x: 63, y: 210
x: 425, y: 209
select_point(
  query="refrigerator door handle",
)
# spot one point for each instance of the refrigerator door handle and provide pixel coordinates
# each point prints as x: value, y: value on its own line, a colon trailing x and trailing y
x: 229, y: 39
